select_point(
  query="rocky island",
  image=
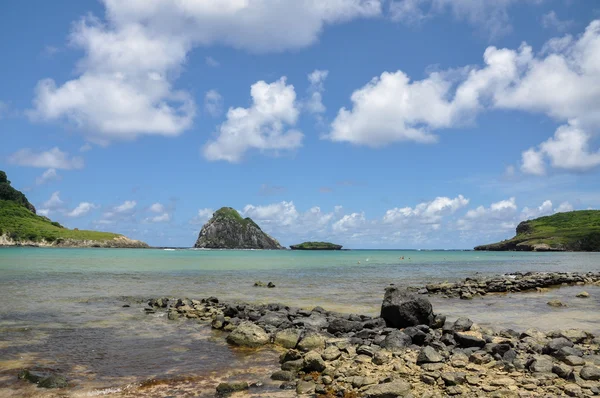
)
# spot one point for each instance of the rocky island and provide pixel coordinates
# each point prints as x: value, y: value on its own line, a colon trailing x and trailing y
x: 21, y: 226
x: 316, y: 246
x: 571, y: 231
x: 228, y: 230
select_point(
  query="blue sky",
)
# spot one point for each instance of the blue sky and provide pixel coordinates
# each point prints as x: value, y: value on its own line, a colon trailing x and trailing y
x: 371, y: 123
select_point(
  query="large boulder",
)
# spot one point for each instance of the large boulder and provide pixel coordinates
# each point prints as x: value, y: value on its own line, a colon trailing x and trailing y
x: 401, y: 309
x: 398, y: 388
x: 247, y: 334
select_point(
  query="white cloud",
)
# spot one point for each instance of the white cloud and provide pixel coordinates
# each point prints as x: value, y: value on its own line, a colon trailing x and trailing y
x: 349, y: 222
x: 315, y: 102
x: 491, y: 16
x: 157, y: 208
x: 85, y: 147
x: 543, y: 210
x: 43, y: 212
x: 498, y: 216
x: 54, y: 202
x: 533, y: 162
x: 426, y: 212
x: 165, y: 217
x: 124, y: 86
x: 82, y: 209
x: 124, y: 211
x: 127, y: 206
x: 47, y: 176
x: 53, y: 158
x: 210, y: 61
x: 564, y: 207
x: 280, y: 214
x: 262, y: 126
x: 551, y: 20
x: 213, y: 103
x: 203, y: 216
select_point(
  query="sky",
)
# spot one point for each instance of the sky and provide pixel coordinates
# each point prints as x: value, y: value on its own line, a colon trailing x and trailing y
x: 370, y: 123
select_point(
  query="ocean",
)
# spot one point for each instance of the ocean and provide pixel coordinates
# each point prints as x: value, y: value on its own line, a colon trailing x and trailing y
x: 63, y: 308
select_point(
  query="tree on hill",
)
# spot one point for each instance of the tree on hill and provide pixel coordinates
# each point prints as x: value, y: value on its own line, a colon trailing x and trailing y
x: 9, y: 193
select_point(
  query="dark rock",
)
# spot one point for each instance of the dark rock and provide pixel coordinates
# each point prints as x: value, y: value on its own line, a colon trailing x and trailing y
x: 453, y: 378
x: 541, y: 365
x: 313, y: 362
x: 467, y: 340
x: 293, y: 366
x: 590, y: 372
x: 438, y: 321
x: 396, y: 341
x: 573, y: 360
x: 228, y: 388
x: 417, y: 336
x: 305, y: 387
x: 462, y: 325
x: 315, y: 321
x: 401, y: 309
x: 339, y: 325
x: 283, y: 375
x: 375, y: 323
x: 562, y: 370
x: 429, y: 355
x: 554, y: 345
x: 270, y: 285
x: 53, y: 381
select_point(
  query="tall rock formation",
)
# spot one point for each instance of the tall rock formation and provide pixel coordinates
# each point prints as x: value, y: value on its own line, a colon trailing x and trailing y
x: 228, y: 230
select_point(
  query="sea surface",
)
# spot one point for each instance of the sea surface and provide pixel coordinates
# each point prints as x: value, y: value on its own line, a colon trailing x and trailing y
x: 63, y: 308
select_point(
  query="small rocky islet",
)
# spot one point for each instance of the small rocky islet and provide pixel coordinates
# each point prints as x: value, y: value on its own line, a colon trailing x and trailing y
x: 407, y: 351
x: 316, y: 246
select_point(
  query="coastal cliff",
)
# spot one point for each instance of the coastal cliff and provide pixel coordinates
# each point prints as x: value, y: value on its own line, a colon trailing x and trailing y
x: 21, y: 226
x: 228, y: 230
x: 571, y: 231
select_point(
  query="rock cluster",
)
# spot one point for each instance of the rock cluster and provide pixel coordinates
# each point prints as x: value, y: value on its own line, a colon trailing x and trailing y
x: 331, y: 354
x: 514, y: 282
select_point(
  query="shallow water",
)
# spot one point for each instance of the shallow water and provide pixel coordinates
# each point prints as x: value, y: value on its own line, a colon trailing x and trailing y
x: 63, y: 307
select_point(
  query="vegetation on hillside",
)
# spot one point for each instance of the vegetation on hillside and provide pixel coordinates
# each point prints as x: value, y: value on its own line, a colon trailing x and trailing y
x: 316, y: 246
x: 20, y: 224
x: 572, y: 231
x: 9, y: 193
x: 228, y: 213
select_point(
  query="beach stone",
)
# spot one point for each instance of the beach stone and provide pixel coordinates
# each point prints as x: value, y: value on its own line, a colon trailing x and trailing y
x: 305, y: 387
x: 366, y: 350
x: 453, y: 378
x: 541, y: 365
x: 396, y: 341
x: 459, y: 360
x: 554, y: 345
x: 283, y: 375
x: 429, y: 355
x: 32, y: 376
x: 315, y: 321
x: 397, y: 388
x: 573, y: 360
x: 275, y: 319
x: 361, y: 381
x: 248, y: 334
x: 331, y: 353
x: 293, y: 366
x: 576, y: 335
x: 416, y: 335
x: 340, y: 325
x: 462, y: 325
x: 381, y: 357
x: 287, y: 338
x: 572, y: 390
x: 53, y: 381
x: 468, y: 340
x: 228, y: 388
x: 218, y: 322
x: 583, y: 294
x: 556, y: 303
x: 313, y: 362
x: 401, y: 309
x: 590, y: 372
x: 311, y: 341
x: 562, y: 370
x: 480, y: 358
x: 569, y: 351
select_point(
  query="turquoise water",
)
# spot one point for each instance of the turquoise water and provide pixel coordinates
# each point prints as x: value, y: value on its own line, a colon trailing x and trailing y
x: 63, y: 307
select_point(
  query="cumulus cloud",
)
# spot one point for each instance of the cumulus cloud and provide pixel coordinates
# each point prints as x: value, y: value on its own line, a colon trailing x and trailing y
x: 393, y: 108
x: 262, y: 126
x: 426, y: 212
x: 43, y: 212
x: 165, y: 217
x: 314, y: 104
x: 157, y: 208
x: 124, y: 211
x: 124, y: 84
x: 213, y: 103
x: 54, y: 202
x: 552, y: 21
x: 564, y: 207
x: 282, y: 214
x: 203, y: 216
x: 81, y: 210
x: 349, y: 221
x: 543, y: 210
x: 47, y: 176
x: 53, y: 159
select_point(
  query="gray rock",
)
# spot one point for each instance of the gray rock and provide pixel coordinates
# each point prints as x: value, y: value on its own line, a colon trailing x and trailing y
x: 293, y: 366
x: 417, y: 336
x: 313, y: 362
x: 590, y: 372
x: 228, y: 388
x: 573, y: 390
x: 311, y: 341
x: 396, y: 341
x: 453, y: 378
x: 282, y: 375
x: 554, y: 345
x: 541, y: 365
x: 305, y: 387
x: 315, y: 321
x: 401, y: 309
x: 462, y: 325
x: 340, y: 325
x: 287, y: 338
x: 53, y: 381
x: 576, y: 335
x: 331, y: 353
x: 562, y: 370
x: 247, y: 334
x: 573, y: 360
x: 393, y: 389
x: 429, y: 355
x: 467, y: 340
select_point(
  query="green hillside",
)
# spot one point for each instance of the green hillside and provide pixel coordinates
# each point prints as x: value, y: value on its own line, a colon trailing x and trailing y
x: 572, y: 231
x: 316, y: 246
x: 20, y: 224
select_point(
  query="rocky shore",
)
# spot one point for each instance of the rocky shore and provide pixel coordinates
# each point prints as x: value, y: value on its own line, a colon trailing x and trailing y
x: 509, y: 283
x: 117, y: 242
x: 408, y: 351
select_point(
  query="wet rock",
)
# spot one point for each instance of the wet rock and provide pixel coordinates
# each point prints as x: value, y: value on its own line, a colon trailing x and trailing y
x: 228, y: 388
x: 305, y: 387
x: 276, y: 319
x: 218, y: 322
x: 590, y: 372
x: 576, y: 335
x: 313, y: 362
x: 393, y: 389
x: 396, y: 341
x: 248, y: 334
x: 429, y: 355
x: 583, y: 294
x: 287, y: 338
x: 53, y: 381
x: 315, y: 321
x: 311, y: 341
x: 401, y: 309
x: 32, y: 376
x: 556, y: 303
x: 270, y: 285
x: 340, y: 325
x: 283, y: 375
x: 43, y: 378
x: 293, y: 366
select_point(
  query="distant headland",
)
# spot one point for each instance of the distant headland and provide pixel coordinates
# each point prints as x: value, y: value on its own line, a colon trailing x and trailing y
x: 316, y: 246
x: 571, y: 231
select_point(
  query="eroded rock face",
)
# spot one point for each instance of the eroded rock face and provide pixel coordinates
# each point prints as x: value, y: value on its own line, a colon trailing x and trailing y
x: 401, y: 309
x: 228, y: 230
